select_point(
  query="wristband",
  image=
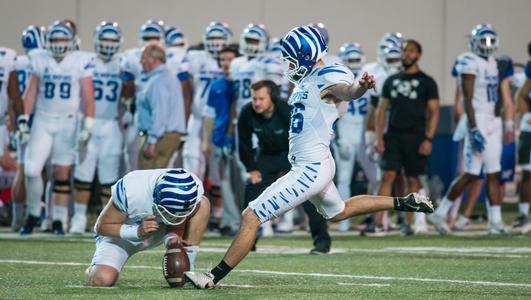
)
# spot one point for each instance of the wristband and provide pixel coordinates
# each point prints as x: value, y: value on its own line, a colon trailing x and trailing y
x: 129, y: 233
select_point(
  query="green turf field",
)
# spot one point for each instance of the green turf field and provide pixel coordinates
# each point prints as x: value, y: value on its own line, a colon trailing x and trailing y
x: 425, y: 267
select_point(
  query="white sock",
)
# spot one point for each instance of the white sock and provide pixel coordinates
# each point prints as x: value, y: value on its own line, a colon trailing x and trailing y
x: 495, y: 213
x: 34, y: 189
x: 523, y: 208
x: 444, y: 207
x: 80, y: 209
x: 60, y: 213
x: 217, y: 212
x: 192, y: 254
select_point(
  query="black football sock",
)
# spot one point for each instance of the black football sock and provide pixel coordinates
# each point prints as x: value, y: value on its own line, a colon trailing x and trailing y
x: 220, y: 271
x: 398, y: 205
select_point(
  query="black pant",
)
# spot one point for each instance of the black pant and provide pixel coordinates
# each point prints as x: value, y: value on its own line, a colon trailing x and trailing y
x: 273, y: 167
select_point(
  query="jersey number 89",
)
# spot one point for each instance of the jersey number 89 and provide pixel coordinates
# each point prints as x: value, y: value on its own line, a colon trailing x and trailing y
x: 63, y: 89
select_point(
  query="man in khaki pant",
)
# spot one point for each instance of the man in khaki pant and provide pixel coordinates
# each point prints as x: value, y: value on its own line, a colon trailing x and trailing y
x: 161, y: 114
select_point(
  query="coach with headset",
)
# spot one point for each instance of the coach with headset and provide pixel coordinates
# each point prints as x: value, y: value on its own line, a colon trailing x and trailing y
x: 269, y: 118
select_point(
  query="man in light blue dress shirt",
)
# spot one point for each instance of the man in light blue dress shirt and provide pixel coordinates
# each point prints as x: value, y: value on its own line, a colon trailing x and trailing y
x: 160, y: 107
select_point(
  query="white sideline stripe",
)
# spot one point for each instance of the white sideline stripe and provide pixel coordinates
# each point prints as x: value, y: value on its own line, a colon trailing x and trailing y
x: 363, y: 284
x: 237, y: 286
x: 388, y: 278
x: 89, y: 287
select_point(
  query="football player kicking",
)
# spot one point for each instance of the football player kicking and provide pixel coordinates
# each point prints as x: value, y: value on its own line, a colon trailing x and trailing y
x: 320, y: 97
x: 147, y: 208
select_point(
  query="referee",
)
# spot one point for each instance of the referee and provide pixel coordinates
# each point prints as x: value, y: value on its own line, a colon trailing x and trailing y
x: 268, y: 118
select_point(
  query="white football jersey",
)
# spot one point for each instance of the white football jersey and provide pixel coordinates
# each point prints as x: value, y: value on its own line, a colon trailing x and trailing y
x: 485, y: 83
x: 177, y: 62
x: 244, y: 72
x: 204, y: 69
x: 312, y: 119
x: 133, y: 195
x: 131, y: 66
x: 22, y: 65
x: 59, y: 89
x: 107, y: 87
x: 7, y: 64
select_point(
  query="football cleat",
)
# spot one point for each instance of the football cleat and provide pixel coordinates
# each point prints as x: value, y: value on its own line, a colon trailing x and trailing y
x: 461, y: 223
x: 439, y: 222
x: 201, y: 280
x: 414, y: 202
x: 57, y: 228
x: 320, y: 251
x: 521, y: 225
x: 31, y: 222
x: 498, y: 228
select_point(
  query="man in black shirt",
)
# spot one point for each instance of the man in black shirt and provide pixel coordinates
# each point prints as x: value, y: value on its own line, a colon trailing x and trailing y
x: 269, y: 119
x: 413, y: 102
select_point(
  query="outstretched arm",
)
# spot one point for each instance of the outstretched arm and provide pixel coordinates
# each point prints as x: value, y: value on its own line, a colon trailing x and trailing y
x: 347, y: 92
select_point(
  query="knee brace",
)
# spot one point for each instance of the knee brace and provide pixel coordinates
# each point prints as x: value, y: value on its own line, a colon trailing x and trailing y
x: 82, y: 185
x: 61, y: 187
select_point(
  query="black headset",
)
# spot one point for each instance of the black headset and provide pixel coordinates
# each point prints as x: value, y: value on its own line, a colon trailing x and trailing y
x: 274, y: 90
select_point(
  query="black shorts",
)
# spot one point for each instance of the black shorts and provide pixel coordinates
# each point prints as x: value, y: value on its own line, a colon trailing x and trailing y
x: 402, y: 151
x: 524, y: 148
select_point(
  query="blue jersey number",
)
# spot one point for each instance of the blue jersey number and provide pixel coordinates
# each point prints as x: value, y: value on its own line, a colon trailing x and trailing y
x: 358, y: 107
x: 207, y: 81
x: 242, y: 88
x: 21, y: 76
x: 492, y: 92
x: 99, y: 92
x: 63, y: 89
x: 297, y: 118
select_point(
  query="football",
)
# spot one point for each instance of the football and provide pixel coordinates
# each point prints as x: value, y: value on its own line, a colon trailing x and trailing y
x: 174, y: 264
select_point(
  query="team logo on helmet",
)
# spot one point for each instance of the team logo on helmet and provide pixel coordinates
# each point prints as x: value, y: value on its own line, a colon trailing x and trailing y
x: 33, y: 37
x: 175, y: 196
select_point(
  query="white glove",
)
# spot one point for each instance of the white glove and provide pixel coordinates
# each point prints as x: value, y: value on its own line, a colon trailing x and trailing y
x: 23, y: 132
x: 85, y: 133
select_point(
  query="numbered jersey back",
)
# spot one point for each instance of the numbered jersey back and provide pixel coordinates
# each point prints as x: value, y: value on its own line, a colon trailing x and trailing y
x: 204, y: 69
x: 107, y: 88
x: 59, y: 91
x: 312, y: 119
x: 485, y: 83
x: 7, y: 64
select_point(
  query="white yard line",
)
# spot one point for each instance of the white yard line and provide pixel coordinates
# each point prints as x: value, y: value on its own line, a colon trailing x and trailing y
x: 363, y: 284
x: 349, y: 276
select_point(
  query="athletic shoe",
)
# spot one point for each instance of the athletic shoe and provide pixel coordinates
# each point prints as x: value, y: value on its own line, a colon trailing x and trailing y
x: 57, y: 228
x: 201, y: 280
x: 461, y: 223
x: 439, y: 222
x: 498, y: 228
x: 376, y: 230
x: 414, y: 202
x: 78, y: 224
x: 521, y: 225
x: 320, y: 251
x: 344, y: 226
x: 31, y: 222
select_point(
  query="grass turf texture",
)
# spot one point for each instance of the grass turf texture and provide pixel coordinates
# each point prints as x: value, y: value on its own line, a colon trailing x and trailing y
x: 372, y: 257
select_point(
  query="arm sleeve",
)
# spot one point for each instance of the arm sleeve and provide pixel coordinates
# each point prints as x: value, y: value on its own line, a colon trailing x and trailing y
x: 332, y: 75
x: 509, y: 67
x: 158, y: 98
x: 245, y: 141
x: 183, y: 72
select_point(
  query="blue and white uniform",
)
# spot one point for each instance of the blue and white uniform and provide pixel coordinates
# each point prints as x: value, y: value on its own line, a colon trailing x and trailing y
x: 245, y: 71
x: 56, y: 109
x: 484, y: 101
x: 22, y: 65
x: 133, y: 196
x: 7, y: 65
x: 204, y: 69
x: 312, y: 128
x: 105, y: 145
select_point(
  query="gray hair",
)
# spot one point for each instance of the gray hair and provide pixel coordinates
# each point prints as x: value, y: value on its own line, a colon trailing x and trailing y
x: 154, y: 50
